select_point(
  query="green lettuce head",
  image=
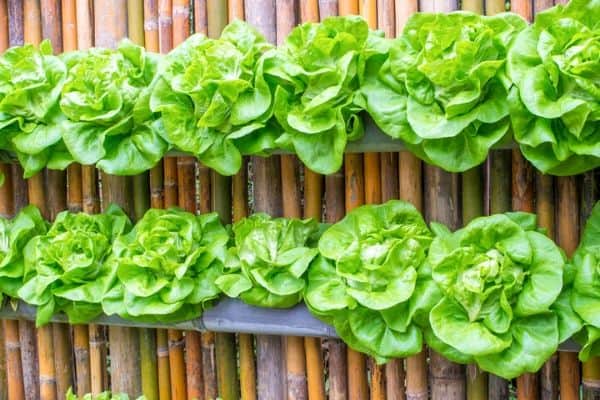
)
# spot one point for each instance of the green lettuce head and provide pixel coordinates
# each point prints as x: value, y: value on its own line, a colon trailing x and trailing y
x: 318, y: 69
x: 31, y: 79
x: 500, y: 278
x: 214, y: 100
x: 443, y: 87
x: 555, y: 104
x: 106, y: 101
x: 14, y: 235
x: 372, y: 282
x: 585, y: 297
x: 65, y: 268
x: 266, y: 266
x: 166, y: 267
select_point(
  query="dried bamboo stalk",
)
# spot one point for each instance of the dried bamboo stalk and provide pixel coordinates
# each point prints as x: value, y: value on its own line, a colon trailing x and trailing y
x: 220, y: 201
x: 201, y: 16
x: 294, y: 345
x: 410, y: 189
x: 267, y: 198
x: 123, y: 342
x: 235, y: 9
x: 313, y: 208
x: 522, y: 200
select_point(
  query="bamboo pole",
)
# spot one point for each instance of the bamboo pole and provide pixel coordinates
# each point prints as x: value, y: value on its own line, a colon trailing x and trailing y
x: 313, y: 207
x: 235, y: 10
x: 590, y: 193
x: 472, y: 207
x: 201, y: 16
x: 81, y: 345
x: 91, y: 204
x: 219, y: 200
x: 337, y: 360
x: 7, y: 206
x: 247, y: 363
x: 35, y: 187
x: 334, y: 211
x: 136, y: 23
x: 567, y: 228
x: 123, y: 342
x: 267, y: 198
x: 294, y: 345
x: 372, y: 187
x: 186, y: 167
x: 545, y: 210
x: 152, y: 41
x: 441, y: 195
x: 522, y: 200
x: 410, y: 189
x: 12, y: 378
x: 56, y: 184
x: 497, y: 200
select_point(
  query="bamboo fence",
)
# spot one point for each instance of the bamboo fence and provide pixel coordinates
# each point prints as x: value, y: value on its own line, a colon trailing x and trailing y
x: 172, y: 364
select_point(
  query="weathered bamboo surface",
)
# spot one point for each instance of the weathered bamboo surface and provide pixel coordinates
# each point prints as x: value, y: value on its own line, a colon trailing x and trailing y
x: 234, y: 350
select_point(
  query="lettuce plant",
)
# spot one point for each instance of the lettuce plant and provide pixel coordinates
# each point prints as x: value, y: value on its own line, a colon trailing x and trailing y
x: 585, y: 297
x: 319, y: 68
x: 14, y: 235
x: 500, y: 277
x: 371, y: 280
x: 65, y: 268
x: 443, y: 87
x: 166, y: 266
x: 214, y: 99
x: 555, y: 104
x: 106, y: 101
x: 31, y: 79
x: 267, y: 264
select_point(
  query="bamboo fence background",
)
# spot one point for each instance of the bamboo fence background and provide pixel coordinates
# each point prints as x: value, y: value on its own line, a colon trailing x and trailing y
x: 175, y: 365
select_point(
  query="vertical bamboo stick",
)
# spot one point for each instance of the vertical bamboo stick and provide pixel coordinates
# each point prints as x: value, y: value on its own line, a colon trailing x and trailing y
x: 441, y: 194
x: 35, y: 187
x: 567, y: 228
x: 590, y: 193
x: 545, y: 210
x: 358, y: 387
x: 81, y: 345
x: 224, y: 356
x: 200, y: 14
x: 7, y: 206
x: 294, y: 345
x: 12, y: 379
x: 334, y: 211
x: 267, y: 198
x: 313, y: 207
x: 123, y: 342
x: 372, y: 182
x: 410, y: 188
x: 472, y: 207
x: 136, y: 22
x: 235, y: 9
x: 91, y: 204
x: 152, y: 40
x: 497, y: 200
x: 522, y: 200
x: 186, y: 167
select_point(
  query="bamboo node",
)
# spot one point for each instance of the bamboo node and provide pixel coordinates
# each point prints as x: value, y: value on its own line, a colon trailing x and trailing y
x: 183, y: 11
x: 97, y: 343
x: 416, y: 396
x: 594, y: 383
x: 176, y: 343
x: 151, y: 24
x: 44, y: 379
x: 12, y: 345
x: 162, y: 352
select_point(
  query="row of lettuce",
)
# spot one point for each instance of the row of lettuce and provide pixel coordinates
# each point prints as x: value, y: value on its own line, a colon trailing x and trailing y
x: 451, y: 86
x: 497, y: 292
